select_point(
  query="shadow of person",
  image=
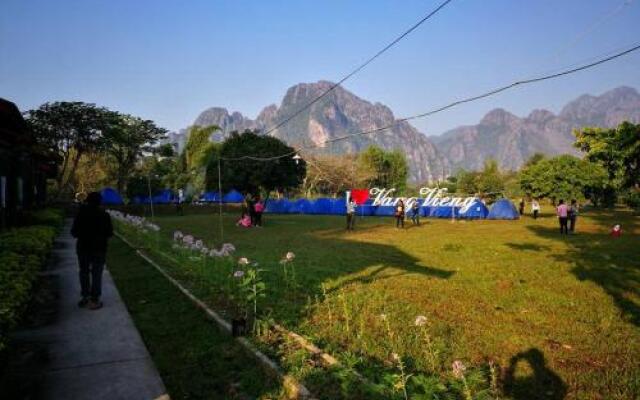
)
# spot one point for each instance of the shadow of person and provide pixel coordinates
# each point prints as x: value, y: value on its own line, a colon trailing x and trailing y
x: 540, y: 383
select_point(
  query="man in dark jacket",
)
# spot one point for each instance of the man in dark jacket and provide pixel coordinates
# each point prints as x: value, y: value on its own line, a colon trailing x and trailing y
x: 92, y: 227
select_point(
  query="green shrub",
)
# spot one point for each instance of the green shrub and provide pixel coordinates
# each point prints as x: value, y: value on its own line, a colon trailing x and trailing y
x: 633, y: 200
x: 22, y: 253
x: 53, y: 217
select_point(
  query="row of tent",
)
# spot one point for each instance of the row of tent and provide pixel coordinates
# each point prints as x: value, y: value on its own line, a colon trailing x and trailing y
x: 111, y: 196
x: 501, y: 209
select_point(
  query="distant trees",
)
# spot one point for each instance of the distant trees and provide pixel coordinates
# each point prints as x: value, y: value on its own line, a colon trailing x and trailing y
x: 255, y: 174
x: 333, y: 174
x: 387, y: 169
x: 564, y: 177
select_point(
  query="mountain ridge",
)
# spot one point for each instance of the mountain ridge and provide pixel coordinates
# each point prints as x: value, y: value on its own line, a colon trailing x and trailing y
x: 500, y: 134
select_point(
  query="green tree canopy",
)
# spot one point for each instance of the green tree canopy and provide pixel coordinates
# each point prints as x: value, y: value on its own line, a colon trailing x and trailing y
x: 389, y: 169
x: 252, y: 175
x: 616, y: 149
x: 563, y: 177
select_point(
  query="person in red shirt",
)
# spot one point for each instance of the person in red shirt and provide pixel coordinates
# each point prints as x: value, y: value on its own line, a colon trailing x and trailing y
x: 563, y: 214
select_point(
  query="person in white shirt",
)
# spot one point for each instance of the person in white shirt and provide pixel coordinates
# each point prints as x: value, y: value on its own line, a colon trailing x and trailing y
x: 351, y: 213
x: 535, y: 208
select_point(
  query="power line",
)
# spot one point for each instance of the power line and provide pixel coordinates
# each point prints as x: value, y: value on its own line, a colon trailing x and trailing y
x: 448, y: 106
x: 358, y: 69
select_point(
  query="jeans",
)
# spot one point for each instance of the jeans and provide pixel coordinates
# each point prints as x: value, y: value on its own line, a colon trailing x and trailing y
x: 535, y: 214
x: 399, y: 221
x: 572, y: 223
x: 350, y: 221
x: 91, y: 267
x: 563, y: 225
x: 415, y: 218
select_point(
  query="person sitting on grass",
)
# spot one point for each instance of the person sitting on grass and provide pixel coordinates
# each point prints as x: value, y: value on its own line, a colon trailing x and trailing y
x: 244, y: 221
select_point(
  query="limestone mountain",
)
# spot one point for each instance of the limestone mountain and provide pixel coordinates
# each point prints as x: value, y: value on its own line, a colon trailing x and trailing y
x: 338, y: 114
x: 511, y: 140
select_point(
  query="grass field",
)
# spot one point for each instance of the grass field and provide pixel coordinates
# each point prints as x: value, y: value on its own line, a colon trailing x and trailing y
x: 553, y: 317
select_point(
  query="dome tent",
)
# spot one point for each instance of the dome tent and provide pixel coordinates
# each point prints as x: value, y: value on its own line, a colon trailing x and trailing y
x: 274, y: 206
x: 477, y: 210
x: 321, y: 206
x: 301, y: 206
x: 163, y: 197
x: 210, y: 197
x: 111, y: 196
x: 503, y: 209
x: 444, y: 212
x: 233, y: 197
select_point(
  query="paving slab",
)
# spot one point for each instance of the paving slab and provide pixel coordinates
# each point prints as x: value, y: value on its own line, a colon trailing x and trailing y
x: 93, y: 355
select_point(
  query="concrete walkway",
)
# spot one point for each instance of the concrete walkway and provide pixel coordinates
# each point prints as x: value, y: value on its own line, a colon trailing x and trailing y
x: 93, y: 355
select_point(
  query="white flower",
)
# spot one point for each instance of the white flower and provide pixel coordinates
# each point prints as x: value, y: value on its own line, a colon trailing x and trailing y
x: 238, y: 274
x: 290, y: 256
x: 243, y: 261
x: 199, y: 244
x: 228, y: 247
x: 421, y: 320
x: 204, y: 251
x: 187, y: 239
x: 395, y: 356
x: 177, y: 236
x: 383, y: 317
x: 458, y: 369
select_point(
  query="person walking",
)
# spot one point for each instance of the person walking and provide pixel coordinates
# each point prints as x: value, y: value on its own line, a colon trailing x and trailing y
x: 573, y: 215
x: 521, y: 208
x: 400, y: 210
x: 92, y: 228
x: 535, y: 208
x: 415, y: 213
x: 351, y: 214
x: 562, y: 211
x: 179, y: 202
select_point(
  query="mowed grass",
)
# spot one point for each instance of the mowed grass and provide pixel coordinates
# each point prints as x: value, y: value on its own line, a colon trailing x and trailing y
x: 195, y: 359
x: 559, y: 315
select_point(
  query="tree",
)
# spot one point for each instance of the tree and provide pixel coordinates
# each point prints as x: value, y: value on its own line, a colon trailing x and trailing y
x: 616, y: 149
x: 250, y: 175
x: 564, y: 177
x: 490, y: 180
x: 467, y: 181
x: 389, y: 169
x: 125, y: 139
x: 332, y: 174
x: 71, y: 129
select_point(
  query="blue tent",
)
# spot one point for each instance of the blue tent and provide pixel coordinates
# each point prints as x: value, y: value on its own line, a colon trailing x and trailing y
x: 338, y: 206
x: 163, y: 197
x: 321, y: 206
x: 273, y: 206
x: 477, y: 210
x: 301, y: 206
x: 210, y: 197
x: 287, y: 206
x: 367, y: 208
x: 110, y: 196
x: 444, y: 211
x: 233, y: 197
x: 503, y: 209
x: 384, y: 211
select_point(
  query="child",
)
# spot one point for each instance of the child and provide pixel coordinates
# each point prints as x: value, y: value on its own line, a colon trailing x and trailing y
x: 245, y: 221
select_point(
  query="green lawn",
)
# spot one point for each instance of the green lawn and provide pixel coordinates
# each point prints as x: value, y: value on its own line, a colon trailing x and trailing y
x: 558, y: 317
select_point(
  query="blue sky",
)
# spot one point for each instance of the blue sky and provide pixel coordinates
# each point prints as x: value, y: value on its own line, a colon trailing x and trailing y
x: 169, y: 60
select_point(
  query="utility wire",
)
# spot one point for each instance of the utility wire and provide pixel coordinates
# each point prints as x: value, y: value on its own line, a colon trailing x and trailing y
x: 358, y: 69
x: 446, y: 107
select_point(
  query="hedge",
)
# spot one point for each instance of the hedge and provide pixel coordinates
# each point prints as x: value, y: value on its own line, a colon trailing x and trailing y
x: 23, y: 251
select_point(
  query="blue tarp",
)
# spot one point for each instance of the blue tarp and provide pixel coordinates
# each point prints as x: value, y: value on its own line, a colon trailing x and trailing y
x: 301, y: 206
x: 110, y: 196
x: 233, y: 197
x: 477, y: 210
x: 274, y: 206
x: 163, y: 197
x: 210, y: 196
x: 384, y: 211
x: 503, y: 209
x: 366, y: 209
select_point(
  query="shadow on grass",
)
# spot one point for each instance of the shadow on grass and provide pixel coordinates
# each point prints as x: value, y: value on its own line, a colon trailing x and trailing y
x: 528, y: 246
x: 612, y: 263
x: 541, y: 383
